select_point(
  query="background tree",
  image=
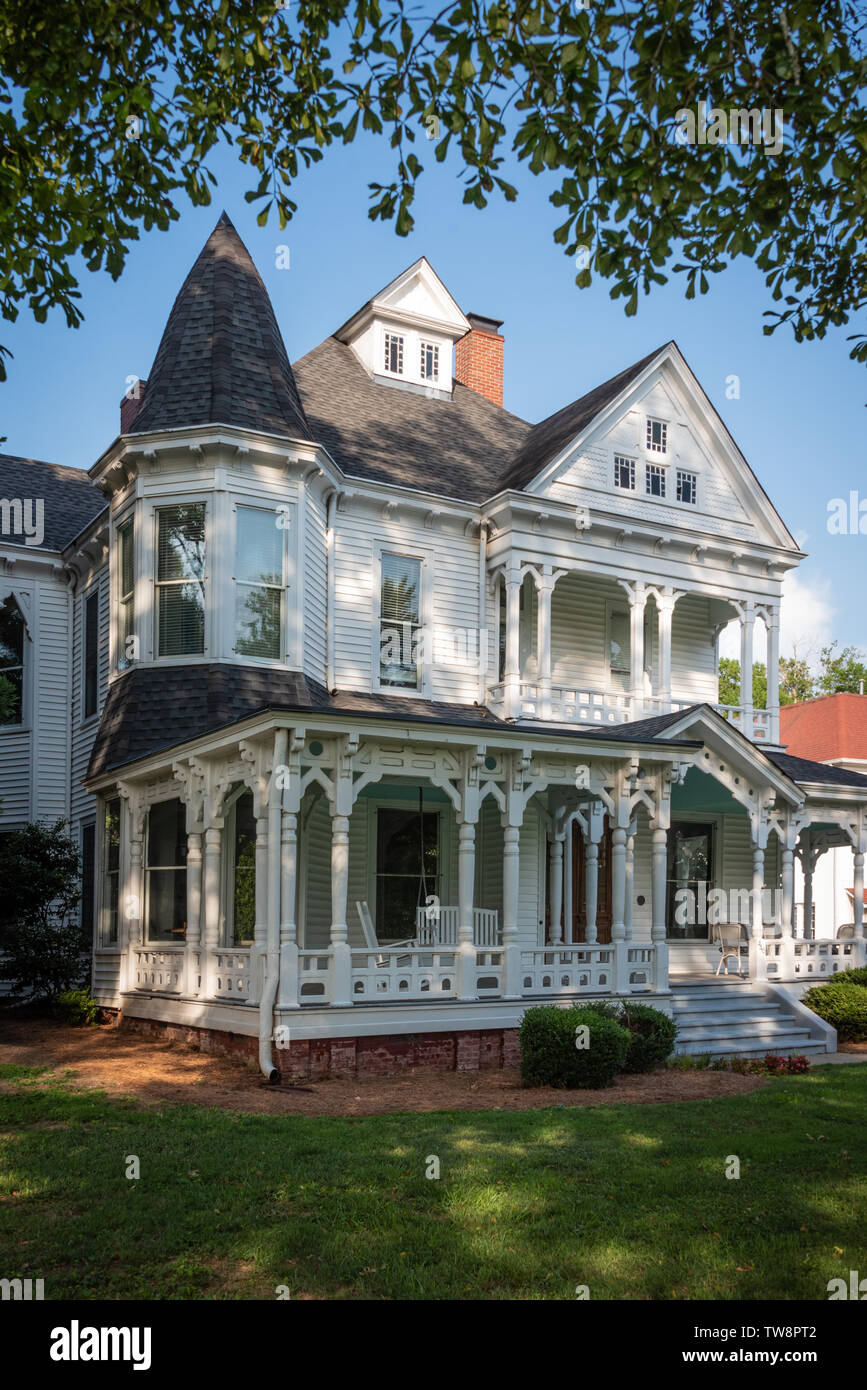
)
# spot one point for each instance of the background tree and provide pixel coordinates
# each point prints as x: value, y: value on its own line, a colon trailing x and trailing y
x: 730, y: 682
x: 41, y: 938
x: 111, y: 109
x: 796, y: 680
x: 846, y: 671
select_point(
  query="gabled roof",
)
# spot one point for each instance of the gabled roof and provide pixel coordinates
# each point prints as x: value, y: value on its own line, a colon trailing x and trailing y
x: 70, y: 499
x: 222, y: 359
x: 455, y: 448
x: 829, y: 727
x: 545, y: 440
x: 804, y: 770
x: 431, y: 301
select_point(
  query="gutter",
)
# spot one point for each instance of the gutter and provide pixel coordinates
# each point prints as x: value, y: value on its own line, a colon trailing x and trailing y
x: 272, y: 960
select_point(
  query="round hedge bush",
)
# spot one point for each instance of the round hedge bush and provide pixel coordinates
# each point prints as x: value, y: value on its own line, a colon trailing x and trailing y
x: 844, y: 1006
x: 851, y: 977
x: 550, y: 1057
x: 651, y: 1036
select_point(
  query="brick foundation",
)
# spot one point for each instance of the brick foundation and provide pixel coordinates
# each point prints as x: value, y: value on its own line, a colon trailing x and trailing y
x: 314, y: 1059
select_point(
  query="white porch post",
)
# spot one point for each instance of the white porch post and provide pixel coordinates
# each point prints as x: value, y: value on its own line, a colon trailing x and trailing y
x: 288, y: 997
x: 194, y: 911
x: 629, y: 882
x: 544, y: 590
x: 618, y: 883
x: 805, y: 854
x: 341, y: 955
x: 788, y: 889
x: 568, y: 880
x: 748, y: 624
x: 858, y: 892
x: 637, y: 603
x: 665, y: 612
x: 511, y: 881
x: 512, y: 674
x: 772, y: 624
x: 555, y: 890
x: 211, y: 894
x: 260, y: 929
x: 592, y: 822
x: 658, y: 875
x: 758, y: 960
x: 466, y: 885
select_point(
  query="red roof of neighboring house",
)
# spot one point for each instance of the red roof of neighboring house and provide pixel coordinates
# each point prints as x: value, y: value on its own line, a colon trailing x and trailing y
x: 834, y: 726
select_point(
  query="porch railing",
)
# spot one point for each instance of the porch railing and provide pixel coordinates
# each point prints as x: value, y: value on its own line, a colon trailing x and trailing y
x: 438, y: 926
x: 158, y: 970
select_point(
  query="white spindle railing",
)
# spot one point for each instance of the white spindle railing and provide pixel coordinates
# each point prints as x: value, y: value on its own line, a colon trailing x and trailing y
x: 231, y: 974
x: 556, y: 970
x: 314, y: 977
x: 158, y: 971
x: 414, y: 973
x: 438, y: 926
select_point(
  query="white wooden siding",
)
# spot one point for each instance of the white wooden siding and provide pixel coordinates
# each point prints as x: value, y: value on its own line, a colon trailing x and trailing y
x: 314, y: 586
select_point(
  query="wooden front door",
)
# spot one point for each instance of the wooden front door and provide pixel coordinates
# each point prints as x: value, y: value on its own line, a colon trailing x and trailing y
x: 603, y: 908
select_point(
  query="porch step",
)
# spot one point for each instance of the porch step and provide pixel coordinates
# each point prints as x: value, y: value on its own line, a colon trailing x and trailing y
x: 736, y: 1019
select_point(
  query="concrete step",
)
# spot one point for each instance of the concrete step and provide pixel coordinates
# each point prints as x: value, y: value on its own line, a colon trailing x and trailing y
x: 723, y: 1020
x: 795, y: 1041
x: 736, y: 1019
x: 772, y: 1029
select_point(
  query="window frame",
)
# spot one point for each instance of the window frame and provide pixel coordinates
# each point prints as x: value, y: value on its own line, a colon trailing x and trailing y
x: 103, y: 938
x: 126, y: 526
x: 429, y: 346
x: 657, y: 450
x: 619, y: 460
x: 390, y: 335
x: 229, y: 867
x: 421, y: 689
x: 147, y: 869
x: 661, y: 471
x: 158, y: 508
x: 689, y: 473
x: 262, y: 505
x: 23, y: 724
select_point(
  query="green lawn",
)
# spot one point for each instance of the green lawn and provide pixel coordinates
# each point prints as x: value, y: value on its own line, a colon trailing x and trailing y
x: 631, y: 1201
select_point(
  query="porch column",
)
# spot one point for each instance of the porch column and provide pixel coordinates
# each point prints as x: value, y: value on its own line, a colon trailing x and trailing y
x: 260, y: 930
x: 544, y: 591
x: 758, y: 960
x: 133, y: 910
x: 658, y: 876
x: 211, y: 913
x: 772, y: 624
x: 511, y: 881
x: 194, y: 912
x: 288, y: 930
x: 637, y: 603
x: 466, y: 885
x: 788, y: 887
x: 618, y: 884
x: 806, y: 858
x: 555, y: 890
x: 512, y: 673
x: 629, y: 883
x: 858, y: 893
x: 748, y: 625
x: 341, y: 956
x: 568, y: 880
x: 665, y: 612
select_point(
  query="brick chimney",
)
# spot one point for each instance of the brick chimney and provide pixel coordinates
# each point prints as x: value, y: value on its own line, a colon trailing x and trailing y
x: 130, y: 404
x: 479, y: 358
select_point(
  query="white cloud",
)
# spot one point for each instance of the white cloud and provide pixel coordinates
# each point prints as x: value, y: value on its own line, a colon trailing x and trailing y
x: 807, y: 619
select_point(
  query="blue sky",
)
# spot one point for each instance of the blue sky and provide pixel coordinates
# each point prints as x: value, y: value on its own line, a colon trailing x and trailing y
x: 800, y: 418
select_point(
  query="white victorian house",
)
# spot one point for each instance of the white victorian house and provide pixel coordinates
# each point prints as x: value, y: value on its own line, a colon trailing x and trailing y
x: 382, y: 713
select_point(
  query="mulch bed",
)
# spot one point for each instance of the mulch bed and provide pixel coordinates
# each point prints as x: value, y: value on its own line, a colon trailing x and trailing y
x: 156, y: 1073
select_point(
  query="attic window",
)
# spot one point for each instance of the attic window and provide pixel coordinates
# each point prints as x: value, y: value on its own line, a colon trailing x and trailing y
x: 657, y: 436
x: 394, y: 353
x: 687, y: 487
x: 655, y: 481
x: 624, y: 473
x: 430, y: 361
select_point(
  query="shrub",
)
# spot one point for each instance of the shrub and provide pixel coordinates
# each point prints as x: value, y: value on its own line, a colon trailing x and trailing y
x: 768, y: 1066
x: 844, y: 1006
x: 550, y: 1057
x: 851, y: 977
x: 40, y: 933
x: 75, y: 1006
x: 652, y: 1034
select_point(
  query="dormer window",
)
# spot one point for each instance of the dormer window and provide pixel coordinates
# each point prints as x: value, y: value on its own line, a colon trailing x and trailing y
x: 655, y: 480
x: 180, y: 581
x: 657, y: 436
x: 430, y: 361
x: 687, y: 486
x: 394, y: 353
x: 624, y: 473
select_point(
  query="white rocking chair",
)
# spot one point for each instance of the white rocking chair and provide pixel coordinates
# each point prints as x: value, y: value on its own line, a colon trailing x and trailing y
x: 370, y: 938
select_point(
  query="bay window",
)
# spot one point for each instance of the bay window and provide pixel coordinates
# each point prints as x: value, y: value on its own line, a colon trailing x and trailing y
x: 180, y: 581
x: 166, y: 872
x: 400, y: 622
x: 259, y: 580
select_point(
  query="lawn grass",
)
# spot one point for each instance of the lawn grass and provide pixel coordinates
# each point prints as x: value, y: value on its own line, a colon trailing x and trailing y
x: 631, y: 1201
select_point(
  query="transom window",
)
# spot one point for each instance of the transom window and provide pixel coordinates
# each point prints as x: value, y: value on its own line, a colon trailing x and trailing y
x: 657, y: 436
x: 110, y: 871
x: 11, y: 663
x: 687, y: 486
x: 394, y: 353
x: 180, y: 581
x: 430, y: 361
x: 400, y: 622
x: 259, y: 581
x: 624, y: 473
x: 655, y: 480
x: 126, y: 588
x: 166, y: 872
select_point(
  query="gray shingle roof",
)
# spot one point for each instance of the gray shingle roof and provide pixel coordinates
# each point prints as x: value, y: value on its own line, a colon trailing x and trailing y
x: 455, y: 448
x: 545, y: 440
x: 222, y: 359
x: 803, y: 770
x: 69, y: 498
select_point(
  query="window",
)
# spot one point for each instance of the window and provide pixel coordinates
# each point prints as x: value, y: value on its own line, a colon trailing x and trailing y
x: 11, y: 663
x: 394, y: 353
x: 166, y: 872
x: 687, y: 486
x: 690, y: 878
x: 400, y: 623
x: 407, y: 869
x: 259, y: 548
x: 91, y: 653
x: 88, y: 878
x: 657, y: 436
x: 110, y: 872
x: 624, y: 473
x: 241, y: 897
x: 430, y: 361
x: 126, y: 590
x: 181, y: 580
x: 655, y: 484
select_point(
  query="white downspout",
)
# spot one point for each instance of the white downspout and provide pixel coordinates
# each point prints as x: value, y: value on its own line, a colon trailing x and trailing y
x: 329, y: 590
x: 272, y: 953
x: 483, y: 612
